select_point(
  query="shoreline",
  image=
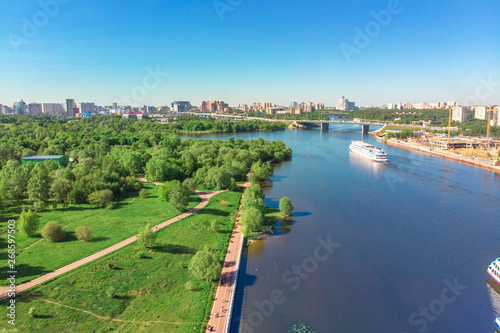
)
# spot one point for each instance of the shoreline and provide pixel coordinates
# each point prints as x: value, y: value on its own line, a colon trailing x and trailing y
x: 461, y: 159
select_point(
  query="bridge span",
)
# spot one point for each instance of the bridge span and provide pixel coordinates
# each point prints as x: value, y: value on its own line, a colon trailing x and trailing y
x: 324, y: 124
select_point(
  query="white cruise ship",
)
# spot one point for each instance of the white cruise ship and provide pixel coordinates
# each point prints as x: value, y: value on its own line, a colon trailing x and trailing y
x: 494, y: 270
x: 369, y: 151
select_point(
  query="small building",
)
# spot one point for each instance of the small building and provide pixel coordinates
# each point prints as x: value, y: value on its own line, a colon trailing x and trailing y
x: 61, y: 160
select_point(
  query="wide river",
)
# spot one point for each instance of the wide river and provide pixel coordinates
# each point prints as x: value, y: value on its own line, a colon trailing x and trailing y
x: 396, y: 247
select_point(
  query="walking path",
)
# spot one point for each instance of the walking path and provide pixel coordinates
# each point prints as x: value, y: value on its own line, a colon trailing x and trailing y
x: 205, y: 197
x: 220, y: 316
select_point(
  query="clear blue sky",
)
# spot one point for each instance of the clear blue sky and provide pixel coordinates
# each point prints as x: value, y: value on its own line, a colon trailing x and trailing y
x: 269, y: 51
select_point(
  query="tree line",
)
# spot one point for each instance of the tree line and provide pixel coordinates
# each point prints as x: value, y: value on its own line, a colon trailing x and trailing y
x: 109, y: 152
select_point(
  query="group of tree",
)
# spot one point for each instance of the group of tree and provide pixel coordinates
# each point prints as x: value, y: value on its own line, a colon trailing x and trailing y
x: 178, y: 193
x: 108, y: 153
x: 404, y: 134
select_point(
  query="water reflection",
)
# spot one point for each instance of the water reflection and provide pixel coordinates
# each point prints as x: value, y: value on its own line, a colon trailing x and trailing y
x: 256, y: 248
x: 494, y: 292
x: 366, y: 164
x: 285, y: 225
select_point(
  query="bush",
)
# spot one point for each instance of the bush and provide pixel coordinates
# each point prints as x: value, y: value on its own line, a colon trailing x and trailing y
x: 84, y: 233
x: 142, y: 254
x: 29, y: 222
x: 143, y: 193
x: 190, y: 285
x: 110, y: 292
x: 100, y: 198
x: 53, y: 232
x: 214, y: 225
x: 189, y: 184
x: 32, y: 312
x: 146, y: 236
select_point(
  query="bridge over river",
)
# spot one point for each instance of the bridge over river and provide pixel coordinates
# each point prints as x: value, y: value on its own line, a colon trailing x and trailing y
x: 324, y: 124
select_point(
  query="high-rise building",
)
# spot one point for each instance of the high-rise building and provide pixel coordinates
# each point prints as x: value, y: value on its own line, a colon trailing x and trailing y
x: 181, y: 106
x: 20, y: 107
x: 293, y: 105
x: 70, y: 105
x: 480, y: 112
x: 320, y: 106
x: 459, y: 114
x: 244, y: 108
x: 86, y: 108
x: 52, y: 108
x: 35, y: 109
x: 115, y: 105
x: 345, y: 105
x: 309, y: 107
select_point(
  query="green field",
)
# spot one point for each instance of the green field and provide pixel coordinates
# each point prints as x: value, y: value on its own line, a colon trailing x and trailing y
x: 149, y: 293
x: 108, y: 228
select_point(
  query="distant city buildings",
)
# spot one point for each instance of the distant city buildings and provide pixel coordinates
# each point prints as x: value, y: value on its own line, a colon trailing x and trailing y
x: 70, y: 105
x: 52, y: 108
x: 34, y: 109
x: 459, y: 114
x: 86, y: 108
x: 480, y: 112
x: 320, y: 106
x: 181, y: 106
x: 214, y: 106
x: 345, y: 105
x: 20, y: 107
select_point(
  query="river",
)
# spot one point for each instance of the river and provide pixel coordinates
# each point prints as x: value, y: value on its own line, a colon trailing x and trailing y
x: 397, y: 247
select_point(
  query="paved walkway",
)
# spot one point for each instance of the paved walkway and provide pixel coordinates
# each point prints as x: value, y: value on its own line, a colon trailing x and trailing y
x: 205, y: 197
x: 224, y: 297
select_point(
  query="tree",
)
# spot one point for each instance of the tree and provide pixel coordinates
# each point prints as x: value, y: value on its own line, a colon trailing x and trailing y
x: 165, y: 190
x: 251, y: 220
x: 100, y: 198
x: 60, y: 189
x: 146, y: 236
x: 179, y: 196
x: 38, y: 186
x: 29, y: 222
x: 204, y: 266
x: 14, y: 180
x: 53, y: 232
x: 286, y: 206
x: 84, y: 233
x: 189, y: 184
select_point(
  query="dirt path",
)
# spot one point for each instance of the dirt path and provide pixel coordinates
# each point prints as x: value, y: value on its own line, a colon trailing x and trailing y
x: 225, y: 294
x: 205, y: 197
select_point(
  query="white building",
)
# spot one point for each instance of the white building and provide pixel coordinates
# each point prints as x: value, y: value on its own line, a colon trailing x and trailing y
x: 345, y: 105
x: 459, y: 114
x: 480, y: 112
x: 53, y: 108
x: 86, y: 107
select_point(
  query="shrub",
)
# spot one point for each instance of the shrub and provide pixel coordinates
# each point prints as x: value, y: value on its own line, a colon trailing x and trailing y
x: 214, y: 225
x: 146, y: 236
x: 53, y: 232
x: 100, y: 198
x: 225, y: 203
x: 84, y: 233
x: 110, y: 292
x: 32, y: 312
x: 190, y: 285
x: 143, y: 193
x: 29, y: 222
x: 142, y: 254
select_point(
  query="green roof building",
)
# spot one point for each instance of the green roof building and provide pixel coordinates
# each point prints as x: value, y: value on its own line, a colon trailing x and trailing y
x: 61, y: 160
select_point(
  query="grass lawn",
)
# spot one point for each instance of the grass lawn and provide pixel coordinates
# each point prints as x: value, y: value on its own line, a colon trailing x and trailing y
x: 402, y: 128
x: 108, y: 228
x: 149, y: 294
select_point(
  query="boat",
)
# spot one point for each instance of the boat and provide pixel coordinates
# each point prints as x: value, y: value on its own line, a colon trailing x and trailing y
x: 369, y: 151
x: 494, y: 270
x: 497, y: 323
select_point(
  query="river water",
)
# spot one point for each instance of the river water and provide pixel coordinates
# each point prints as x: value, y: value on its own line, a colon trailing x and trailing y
x: 397, y: 247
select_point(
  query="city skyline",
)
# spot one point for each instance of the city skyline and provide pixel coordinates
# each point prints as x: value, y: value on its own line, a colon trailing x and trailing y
x: 277, y: 51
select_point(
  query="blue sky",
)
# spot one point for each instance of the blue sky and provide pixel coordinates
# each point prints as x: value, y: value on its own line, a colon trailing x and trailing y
x: 255, y: 51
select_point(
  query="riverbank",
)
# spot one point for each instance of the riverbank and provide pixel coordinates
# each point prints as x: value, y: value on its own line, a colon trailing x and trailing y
x: 458, y: 158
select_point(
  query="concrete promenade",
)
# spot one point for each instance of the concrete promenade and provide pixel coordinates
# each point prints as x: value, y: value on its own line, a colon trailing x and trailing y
x: 220, y: 316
